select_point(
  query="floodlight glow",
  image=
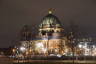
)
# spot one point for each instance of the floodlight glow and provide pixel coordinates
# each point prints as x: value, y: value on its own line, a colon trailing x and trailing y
x: 39, y: 45
x: 22, y: 48
x: 56, y: 50
x: 44, y: 50
x: 58, y: 55
x: 80, y: 46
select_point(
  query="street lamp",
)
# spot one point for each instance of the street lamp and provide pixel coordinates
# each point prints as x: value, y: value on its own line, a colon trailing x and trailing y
x: 23, y: 49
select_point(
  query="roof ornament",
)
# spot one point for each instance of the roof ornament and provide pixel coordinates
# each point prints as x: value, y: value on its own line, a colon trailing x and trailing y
x: 51, y: 10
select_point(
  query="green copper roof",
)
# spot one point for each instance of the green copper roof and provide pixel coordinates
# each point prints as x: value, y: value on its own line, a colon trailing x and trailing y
x: 50, y: 21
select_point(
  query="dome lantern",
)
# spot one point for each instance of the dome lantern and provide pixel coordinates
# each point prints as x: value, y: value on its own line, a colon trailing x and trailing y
x: 50, y: 20
x: 50, y: 11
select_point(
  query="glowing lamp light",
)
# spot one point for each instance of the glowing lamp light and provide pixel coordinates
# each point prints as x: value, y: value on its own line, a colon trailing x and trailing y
x: 22, y: 48
x: 56, y: 50
x: 80, y: 46
x: 58, y: 55
x: 13, y: 50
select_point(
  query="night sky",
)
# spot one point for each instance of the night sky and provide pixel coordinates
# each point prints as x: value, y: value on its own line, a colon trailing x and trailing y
x: 14, y: 14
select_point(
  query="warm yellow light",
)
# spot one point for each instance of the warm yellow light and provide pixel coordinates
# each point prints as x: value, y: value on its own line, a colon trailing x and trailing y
x: 30, y: 50
x: 27, y: 53
x: 50, y: 12
x: 13, y: 50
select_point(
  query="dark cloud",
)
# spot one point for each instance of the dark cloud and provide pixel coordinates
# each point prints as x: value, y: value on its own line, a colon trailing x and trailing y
x: 15, y: 13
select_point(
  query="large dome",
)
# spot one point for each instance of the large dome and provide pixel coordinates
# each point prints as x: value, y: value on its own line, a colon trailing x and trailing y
x: 49, y: 21
x: 50, y: 26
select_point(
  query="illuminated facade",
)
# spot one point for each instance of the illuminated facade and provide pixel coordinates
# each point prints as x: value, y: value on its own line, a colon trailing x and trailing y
x: 49, y: 40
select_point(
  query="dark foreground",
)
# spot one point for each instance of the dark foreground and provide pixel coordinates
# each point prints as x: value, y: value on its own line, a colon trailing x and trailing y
x: 6, y: 60
x: 53, y: 63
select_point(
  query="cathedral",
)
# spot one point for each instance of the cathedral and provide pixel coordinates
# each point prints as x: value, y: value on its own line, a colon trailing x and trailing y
x: 50, y: 38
